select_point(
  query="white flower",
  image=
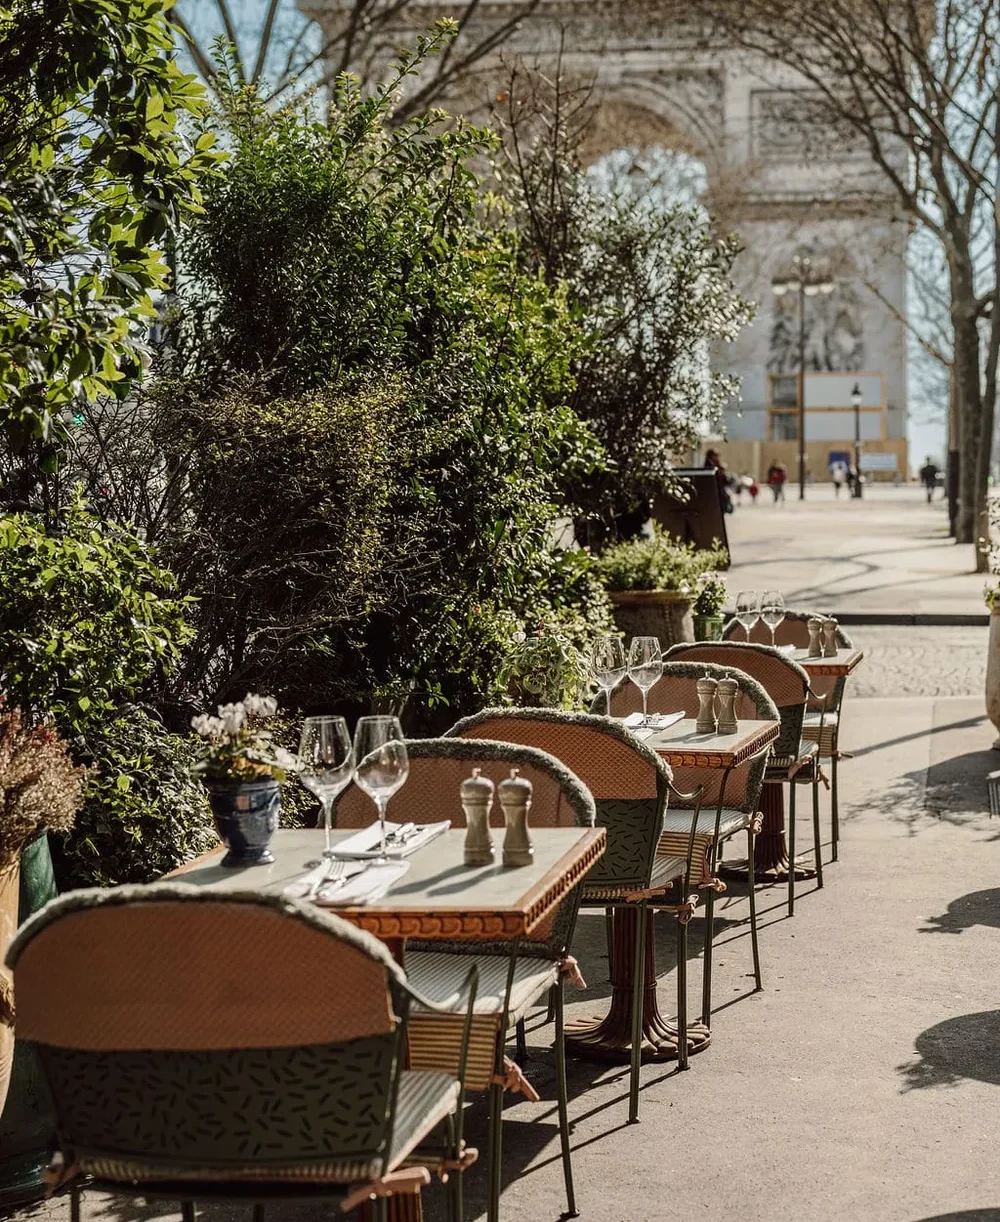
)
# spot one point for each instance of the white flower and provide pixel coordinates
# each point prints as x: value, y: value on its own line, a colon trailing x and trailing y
x: 287, y: 760
x: 233, y: 717
x: 260, y: 706
x: 206, y: 726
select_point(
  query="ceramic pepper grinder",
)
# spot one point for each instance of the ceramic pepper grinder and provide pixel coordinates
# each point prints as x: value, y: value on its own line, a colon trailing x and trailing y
x: 477, y: 802
x: 515, y: 798
x: 728, y: 687
x: 706, y: 688
x: 829, y: 637
x: 815, y: 627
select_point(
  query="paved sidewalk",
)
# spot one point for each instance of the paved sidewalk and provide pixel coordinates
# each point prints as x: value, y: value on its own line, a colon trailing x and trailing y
x: 889, y: 552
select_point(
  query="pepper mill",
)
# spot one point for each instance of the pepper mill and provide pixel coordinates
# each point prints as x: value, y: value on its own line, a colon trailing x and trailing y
x: 728, y: 687
x: 829, y: 637
x: 515, y: 798
x: 706, y: 688
x: 815, y: 627
x: 477, y: 802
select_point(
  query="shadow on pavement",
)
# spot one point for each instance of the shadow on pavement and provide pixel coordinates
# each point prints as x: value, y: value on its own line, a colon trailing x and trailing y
x: 964, y: 1047
x: 967, y: 1215
x: 976, y: 908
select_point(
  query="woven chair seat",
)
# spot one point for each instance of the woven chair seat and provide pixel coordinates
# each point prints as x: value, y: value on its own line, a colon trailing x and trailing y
x: 811, y: 730
x: 665, y: 870
x: 425, y: 1099
x: 676, y: 835
x: 800, y: 765
x: 435, y: 1039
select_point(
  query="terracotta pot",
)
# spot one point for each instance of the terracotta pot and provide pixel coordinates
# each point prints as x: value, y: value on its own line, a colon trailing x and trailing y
x: 659, y: 613
x: 9, y: 880
x: 993, y: 674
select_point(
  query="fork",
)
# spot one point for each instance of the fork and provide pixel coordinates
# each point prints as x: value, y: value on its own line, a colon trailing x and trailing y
x: 334, y: 870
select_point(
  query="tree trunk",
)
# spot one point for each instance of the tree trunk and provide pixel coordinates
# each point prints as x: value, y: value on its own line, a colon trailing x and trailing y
x: 969, y: 402
x: 951, y: 476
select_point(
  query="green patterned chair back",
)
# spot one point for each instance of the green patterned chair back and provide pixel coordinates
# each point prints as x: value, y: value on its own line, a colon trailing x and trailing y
x: 675, y: 692
x: 785, y: 682
x: 794, y: 630
x: 187, y: 1034
x: 628, y: 781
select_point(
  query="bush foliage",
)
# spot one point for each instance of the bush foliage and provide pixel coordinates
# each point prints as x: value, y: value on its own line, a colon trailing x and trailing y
x: 657, y: 562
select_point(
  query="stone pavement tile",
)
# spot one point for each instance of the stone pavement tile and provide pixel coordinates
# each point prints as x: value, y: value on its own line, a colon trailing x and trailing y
x: 919, y: 661
x: 863, y: 1082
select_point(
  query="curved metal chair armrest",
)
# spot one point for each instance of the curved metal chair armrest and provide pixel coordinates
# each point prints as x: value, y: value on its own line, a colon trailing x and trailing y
x: 823, y: 702
x: 694, y: 798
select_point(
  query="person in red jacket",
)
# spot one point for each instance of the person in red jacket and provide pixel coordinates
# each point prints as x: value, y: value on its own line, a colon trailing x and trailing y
x: 776, y: 478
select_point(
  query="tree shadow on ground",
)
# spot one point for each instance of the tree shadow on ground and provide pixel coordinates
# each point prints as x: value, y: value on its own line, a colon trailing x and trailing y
x: 976, y: 908
x: 964, y: 1047
x: 966, y: 1215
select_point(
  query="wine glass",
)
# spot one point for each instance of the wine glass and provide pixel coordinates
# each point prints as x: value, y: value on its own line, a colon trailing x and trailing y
x: 645, y: 664
x: 748, y: 609
x: 772, y: 609
x: 607, y: 664
x: 327, y: 763
x: 381, y: 763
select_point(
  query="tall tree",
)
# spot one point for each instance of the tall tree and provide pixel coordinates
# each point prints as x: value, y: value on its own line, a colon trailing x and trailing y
x: 919, y: 82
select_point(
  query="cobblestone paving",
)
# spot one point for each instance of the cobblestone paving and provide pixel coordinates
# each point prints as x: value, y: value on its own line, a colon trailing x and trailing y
x: 919, y: 661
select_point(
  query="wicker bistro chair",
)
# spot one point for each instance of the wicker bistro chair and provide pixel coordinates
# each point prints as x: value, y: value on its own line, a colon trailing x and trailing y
x: 205, y: 1045
x: 513, y: 976
x: 731, y: 797
x: 630, y: 785
x: 825, y: 699
x: 793, y: 761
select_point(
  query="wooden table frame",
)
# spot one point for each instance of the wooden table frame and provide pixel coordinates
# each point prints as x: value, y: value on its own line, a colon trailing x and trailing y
x: 839, y: 665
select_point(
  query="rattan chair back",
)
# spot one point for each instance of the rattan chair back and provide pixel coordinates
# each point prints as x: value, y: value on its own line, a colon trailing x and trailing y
x: 186, y: 1033
x: 628, y: 781
x: 794, y: 630
x: 785, y: 682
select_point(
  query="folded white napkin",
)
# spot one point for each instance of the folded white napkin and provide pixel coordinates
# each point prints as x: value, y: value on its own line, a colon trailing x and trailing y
x: 365, y: 844
x: 652, y: 721
x: 787, y: 648
x: 363, y: 888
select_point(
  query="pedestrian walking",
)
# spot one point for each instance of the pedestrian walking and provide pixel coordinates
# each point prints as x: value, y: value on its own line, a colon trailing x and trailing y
x: 777, y: 476
x: 714, y: 460
x: 838, y: 476
x: 754, y: 490
x: 928, y: 477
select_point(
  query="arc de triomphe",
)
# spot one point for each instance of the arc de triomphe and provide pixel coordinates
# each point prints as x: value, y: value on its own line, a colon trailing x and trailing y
x: 784, y: 184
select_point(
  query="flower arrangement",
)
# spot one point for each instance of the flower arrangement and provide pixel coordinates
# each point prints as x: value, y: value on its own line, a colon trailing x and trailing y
x: 237, y: 748
x: 991, y: 596
x: 711, y: 598
x: 40, y: 786
x: 546, y: 668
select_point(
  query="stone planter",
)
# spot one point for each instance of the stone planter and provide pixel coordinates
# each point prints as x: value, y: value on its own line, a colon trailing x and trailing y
x: 9, y: 881
x: 246, y: 817
x: 659, y: 613
x: 27, y: 1125
x: 993, y: 674
x: 708, y: 627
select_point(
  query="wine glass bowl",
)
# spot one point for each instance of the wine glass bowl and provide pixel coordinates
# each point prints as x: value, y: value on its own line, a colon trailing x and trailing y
x: 327, y: 759
x: 772, y: 609
x: 381, y: 763
x: 645, y: 664
x: 607, y: 664
x: 747, y: 610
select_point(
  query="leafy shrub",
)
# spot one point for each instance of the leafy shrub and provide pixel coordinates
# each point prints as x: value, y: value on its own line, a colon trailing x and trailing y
x: 711, y: 589
x: 88, y: 618
x: 656, y: 562
x: 144, y: 812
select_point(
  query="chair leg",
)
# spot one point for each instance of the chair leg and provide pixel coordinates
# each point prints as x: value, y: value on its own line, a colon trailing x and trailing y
x: 382, y: 1209
x: 74, y: 1205
x: 557, y: 995
x: 817, y: 836
x: 706, y: 984
x: 520, y: 1041
x: 682, y: 993
x: 496, y: 1151
x: 258, y: 1213
x: 834, y: 803
x: 638, y: 998
x: 187, y: 1211
x: 752, y: 895
x: 456, y: 1205
x: 609, y: 935
x: 791, y: 847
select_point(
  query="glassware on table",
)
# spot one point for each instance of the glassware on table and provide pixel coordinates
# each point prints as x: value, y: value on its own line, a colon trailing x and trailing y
x: 327, y: 758
x: 645, y: 664
x: 772, y: 609
x: 747, y: 609
x: 607, y: 664
x: 381, y: 763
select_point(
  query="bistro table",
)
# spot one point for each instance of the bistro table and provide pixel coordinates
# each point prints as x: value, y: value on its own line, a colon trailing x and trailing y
x: 438, y: 898
x: 609, y: 1038
x: 840, y: 664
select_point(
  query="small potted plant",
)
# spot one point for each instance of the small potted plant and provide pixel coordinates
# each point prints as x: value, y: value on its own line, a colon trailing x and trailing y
x: 546, y: 669
x: 242, y: 768
x: 706, y: 611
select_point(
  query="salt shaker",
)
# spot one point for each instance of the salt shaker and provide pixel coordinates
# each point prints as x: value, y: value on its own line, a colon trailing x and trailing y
x: 477, y: 802
x: 515, y: 798
x: 728, y: 687
x: 815, y: 627
x: 829, y: 637
x: 706, y: 688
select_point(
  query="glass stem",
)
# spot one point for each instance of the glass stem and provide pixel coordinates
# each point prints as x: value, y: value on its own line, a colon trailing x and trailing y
x: 772, y: 638
x: 607, y: 693
x: 327, y: 805
x: 645, y: 693
x: 382, y: 804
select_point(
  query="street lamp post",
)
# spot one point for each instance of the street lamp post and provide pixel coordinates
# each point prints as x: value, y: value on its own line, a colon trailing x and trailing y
x: 805, y: 283
x: 856, y: 399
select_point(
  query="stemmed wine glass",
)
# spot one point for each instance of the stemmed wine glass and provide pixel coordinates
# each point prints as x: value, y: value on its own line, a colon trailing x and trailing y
x: 381, y: 763
x: 748, y: 609
x: 772, y: 609
x: 327, y: 763
x: 645, y: 664
x: 607, y: 664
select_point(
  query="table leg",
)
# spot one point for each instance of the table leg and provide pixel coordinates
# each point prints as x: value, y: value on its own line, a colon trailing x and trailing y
x: 610, y: 1038
x: 770, y: 853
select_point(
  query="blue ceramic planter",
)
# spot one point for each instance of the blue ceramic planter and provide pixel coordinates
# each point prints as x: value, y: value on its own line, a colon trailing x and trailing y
x: 246, y: 817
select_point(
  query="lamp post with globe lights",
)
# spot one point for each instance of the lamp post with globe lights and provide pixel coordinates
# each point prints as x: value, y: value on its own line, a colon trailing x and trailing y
x: 806, y: 283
